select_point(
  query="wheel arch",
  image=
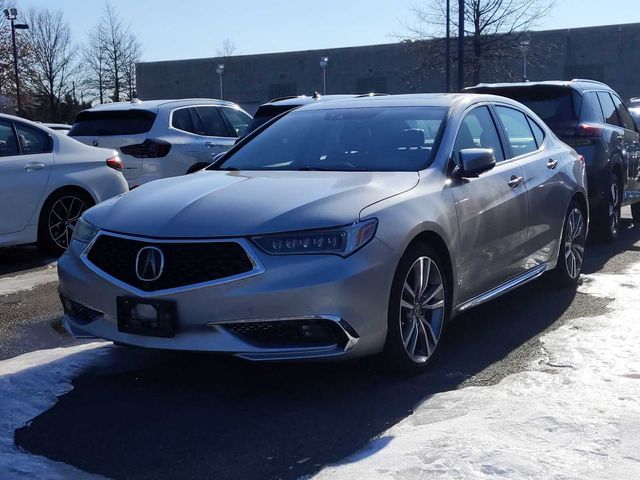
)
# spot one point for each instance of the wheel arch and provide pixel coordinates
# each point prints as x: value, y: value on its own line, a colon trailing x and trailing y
x: 63, y: 189
x: 436, y: 241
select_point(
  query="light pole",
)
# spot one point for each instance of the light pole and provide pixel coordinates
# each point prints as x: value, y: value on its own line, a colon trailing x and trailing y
x: 324, y: 61
x: 12, y: 14
x: 524, y: 49
x: 460, y: 45
x: 447, y: 72
x: 220, y: 72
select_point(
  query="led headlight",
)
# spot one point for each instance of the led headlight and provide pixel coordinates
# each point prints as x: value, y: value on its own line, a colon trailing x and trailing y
x: 338, y: 241
x: 84, y: 232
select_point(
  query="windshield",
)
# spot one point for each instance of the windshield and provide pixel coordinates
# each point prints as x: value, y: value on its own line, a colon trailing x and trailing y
x: 349, y: 139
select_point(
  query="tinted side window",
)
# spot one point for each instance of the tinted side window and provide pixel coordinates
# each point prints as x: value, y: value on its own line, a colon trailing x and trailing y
x: 32, y: 140
x: 478, y: 130
x: 213, y: 123
x: 112, y: 122
x: 8, y: 143
x: 238, y: 120
x: 624, y: 114
x: 591, y: 111
x: 609, y: 109
x: 181, y: 119
x: 538, y: 133
x: 518, y: 132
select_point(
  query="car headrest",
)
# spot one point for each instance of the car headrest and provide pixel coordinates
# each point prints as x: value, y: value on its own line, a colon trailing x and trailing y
x: 411, y: 137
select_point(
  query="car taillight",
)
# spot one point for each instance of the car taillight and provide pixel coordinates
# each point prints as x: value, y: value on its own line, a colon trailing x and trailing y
x: 581, y: 159
x: 115, y: 163
x: 148, y: 149
x: 589, y: 130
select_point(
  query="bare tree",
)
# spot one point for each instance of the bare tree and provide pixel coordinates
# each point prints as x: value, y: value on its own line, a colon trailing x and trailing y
x: 132, y: 55
x: 50, y: 68
x: 494, y: 29
x: 227, y: 49
x: 94, y: 60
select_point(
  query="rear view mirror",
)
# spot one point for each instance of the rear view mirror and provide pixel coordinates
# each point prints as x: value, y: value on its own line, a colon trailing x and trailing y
x: 474, y: 161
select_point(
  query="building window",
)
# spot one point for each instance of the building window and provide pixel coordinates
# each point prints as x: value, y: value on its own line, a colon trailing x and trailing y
x: 371, y: 84
x: 288, y: 89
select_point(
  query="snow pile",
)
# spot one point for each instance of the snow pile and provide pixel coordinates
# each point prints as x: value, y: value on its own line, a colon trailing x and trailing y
x: 30, y: 385
x: 28, y: 281
x: 575, y: 415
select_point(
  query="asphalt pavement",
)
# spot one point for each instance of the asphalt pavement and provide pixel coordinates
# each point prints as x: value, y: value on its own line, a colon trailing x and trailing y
x: 160, y: 415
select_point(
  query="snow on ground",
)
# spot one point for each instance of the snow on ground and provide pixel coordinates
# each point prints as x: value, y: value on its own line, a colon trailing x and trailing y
x: 29, y: 385
x: 28, y: 281
x: 574, y: 415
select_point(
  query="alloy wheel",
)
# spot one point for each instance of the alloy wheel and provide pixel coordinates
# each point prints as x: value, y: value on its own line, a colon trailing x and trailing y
x: 63, y: 217
x: 574, y: 242
x: 422, y: 309
x: 614, y: 209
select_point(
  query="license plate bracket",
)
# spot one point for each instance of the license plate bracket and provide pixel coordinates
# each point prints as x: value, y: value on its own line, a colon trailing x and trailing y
x: 149, y: 317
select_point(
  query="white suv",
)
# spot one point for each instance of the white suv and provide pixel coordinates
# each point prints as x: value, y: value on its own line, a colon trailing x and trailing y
x: 162, y: 138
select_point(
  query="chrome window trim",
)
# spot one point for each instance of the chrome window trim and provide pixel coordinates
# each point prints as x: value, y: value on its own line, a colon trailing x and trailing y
x: 257, y: 269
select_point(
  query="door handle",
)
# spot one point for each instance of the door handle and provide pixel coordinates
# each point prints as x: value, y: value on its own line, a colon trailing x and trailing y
x: 552, y: 164
x: 30, y: 167
x: 515, y: 181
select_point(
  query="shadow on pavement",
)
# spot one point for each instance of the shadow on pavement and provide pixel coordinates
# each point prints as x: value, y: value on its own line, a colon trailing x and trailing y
x: 199, y: 416
x: 18, y: 259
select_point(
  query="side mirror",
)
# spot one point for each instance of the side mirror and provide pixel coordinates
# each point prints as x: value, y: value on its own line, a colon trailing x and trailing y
x: 474, y: 161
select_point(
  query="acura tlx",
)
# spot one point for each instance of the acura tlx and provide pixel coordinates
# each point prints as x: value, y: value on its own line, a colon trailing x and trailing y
x: 336, y: 230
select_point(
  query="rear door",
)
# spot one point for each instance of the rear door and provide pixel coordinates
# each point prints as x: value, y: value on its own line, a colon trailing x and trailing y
x: 632, y: 148
x: 542, y: 175
x: 216, y: 133
x: 115, y: 129
x: 26, y: 158
x: 492, y: 209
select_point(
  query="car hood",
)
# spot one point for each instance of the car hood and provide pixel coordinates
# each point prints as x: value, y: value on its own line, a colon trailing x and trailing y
x: 228, y: 204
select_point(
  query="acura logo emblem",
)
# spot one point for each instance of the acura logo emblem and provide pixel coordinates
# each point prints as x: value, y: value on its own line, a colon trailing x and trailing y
x: 149, y: 264
x: 95, y: 143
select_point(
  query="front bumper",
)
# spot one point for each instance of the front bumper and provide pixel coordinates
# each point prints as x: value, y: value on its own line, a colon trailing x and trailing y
x: 346, y: 295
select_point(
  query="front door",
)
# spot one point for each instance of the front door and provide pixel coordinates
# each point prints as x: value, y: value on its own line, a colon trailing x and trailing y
x: 492, y: 210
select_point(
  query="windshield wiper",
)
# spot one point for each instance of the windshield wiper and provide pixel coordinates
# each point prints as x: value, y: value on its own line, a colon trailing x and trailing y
x: 322, y: 169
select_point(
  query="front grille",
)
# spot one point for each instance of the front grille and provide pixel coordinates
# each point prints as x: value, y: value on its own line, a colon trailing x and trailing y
x: 289, y: 333
x: 80, y: 313
x: 185, y: 263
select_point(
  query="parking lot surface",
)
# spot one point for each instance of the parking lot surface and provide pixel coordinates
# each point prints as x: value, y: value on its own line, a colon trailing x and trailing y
x: 145, y: 414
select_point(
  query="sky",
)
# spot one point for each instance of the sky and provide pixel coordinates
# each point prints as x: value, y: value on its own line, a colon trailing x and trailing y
x: 170, y: 29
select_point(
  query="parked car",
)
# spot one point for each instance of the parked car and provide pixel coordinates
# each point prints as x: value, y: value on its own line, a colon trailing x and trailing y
x: 278, y: 106
x: 344, y: 229
x: 47, y: 181
x: 59, y: 127
x: 634, y: 109
x: 162, y: 138
x: 590, y: 117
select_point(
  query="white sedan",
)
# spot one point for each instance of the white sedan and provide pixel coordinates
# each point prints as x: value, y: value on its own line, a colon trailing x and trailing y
x: 47, y: 180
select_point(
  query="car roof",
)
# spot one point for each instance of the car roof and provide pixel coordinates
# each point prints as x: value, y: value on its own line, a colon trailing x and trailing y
x: 156, y: 104
x: 56, y: 125
x: 408, y: 100
x: 23, y: 120
x: 579, y: 84
x: 306, y: 100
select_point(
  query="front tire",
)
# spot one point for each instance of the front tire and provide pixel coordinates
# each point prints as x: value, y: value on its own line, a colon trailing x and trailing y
x: 58, y: 218
x: 419, y: 308
x: 574, y: 237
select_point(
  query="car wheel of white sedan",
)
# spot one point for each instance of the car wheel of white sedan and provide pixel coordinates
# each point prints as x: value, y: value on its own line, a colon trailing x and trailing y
x: 419, y: 308
x: 58, y: 219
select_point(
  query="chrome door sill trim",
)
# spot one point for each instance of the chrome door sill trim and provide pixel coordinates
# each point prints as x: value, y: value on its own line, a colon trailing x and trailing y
x: 526, y: 277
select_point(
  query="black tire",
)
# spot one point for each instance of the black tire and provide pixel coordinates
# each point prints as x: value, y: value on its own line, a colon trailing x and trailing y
x: 197, y: 167
x: 56, y: 224
x: 571, y: 257
x: 400, y: 318
x: 607, y: 217
x: 635, y: 212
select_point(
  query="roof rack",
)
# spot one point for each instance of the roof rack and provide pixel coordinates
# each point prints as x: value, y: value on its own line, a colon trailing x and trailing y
x: 589, y: 81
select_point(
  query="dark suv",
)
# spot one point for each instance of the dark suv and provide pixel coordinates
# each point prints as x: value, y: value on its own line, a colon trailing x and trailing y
x: 590, y: 117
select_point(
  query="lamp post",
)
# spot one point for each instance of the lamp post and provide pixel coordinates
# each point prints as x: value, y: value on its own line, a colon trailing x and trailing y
x: 460, y: 45
x: 12, y: 14
x: 324, y: 61
x: 220, y: 72
x: 524, y: 49
x: 447, y: 71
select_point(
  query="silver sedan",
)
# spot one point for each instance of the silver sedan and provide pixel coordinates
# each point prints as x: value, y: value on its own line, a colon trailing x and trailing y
x: 338, y: 230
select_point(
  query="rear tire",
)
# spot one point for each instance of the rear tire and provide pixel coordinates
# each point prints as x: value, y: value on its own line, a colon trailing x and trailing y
x: 571, y: 257
x: 607, y: 218
x: 419, y: 308
x: 58, y: 218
